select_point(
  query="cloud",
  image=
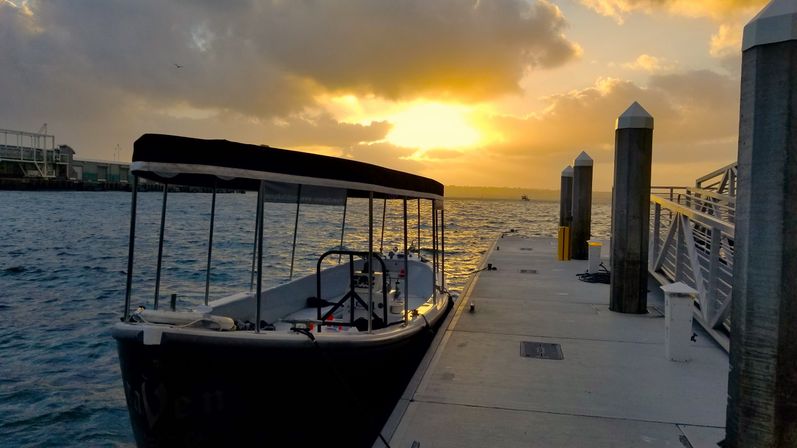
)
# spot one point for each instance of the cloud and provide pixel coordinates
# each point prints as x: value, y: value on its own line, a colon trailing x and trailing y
x: 275, y: 57
x: 726, y: 41
x: 648, y: 63
x: 715, y: 9
x: 696, y: 115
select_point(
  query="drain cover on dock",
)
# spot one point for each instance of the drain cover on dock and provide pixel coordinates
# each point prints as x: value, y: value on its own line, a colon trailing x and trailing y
x: 526, y: 248
x: 528, y: 271
x: 541, y: 350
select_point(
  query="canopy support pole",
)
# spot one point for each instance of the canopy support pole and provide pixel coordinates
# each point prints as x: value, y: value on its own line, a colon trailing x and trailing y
x: 160, y: 245
x: 370, y: 260
x: 382, y: 234
x: 258, y: 218
x: 131, y: 249
x: 210, y: 243
x: 343, y: 226
x: 406, y: 269
x: 419, y: 228
x: 434, y: 254
x: 259, y: 232
x: 443, y: 248
x: 295, y: 228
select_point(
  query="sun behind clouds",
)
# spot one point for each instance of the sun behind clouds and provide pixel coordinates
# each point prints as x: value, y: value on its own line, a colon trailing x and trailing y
x: 433, y: 125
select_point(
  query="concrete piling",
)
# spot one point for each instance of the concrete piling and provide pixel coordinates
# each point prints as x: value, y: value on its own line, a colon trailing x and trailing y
x: 762, y: 386
x: 631, y: 211
x: 582, y: 206
x: 566, y: 197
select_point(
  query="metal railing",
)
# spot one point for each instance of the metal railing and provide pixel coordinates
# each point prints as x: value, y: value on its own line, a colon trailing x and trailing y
x: 722, y: 181
x: 30, y: 148
x: 692, y: 241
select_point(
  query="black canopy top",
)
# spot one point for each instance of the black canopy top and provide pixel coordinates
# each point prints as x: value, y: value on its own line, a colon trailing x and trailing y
x: 225, y: 164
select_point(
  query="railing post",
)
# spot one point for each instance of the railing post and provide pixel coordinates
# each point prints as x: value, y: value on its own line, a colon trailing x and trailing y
x: 678, y: 240
x: 582, y: 206
x: 762, y: 385
x: 713, y: 272
x: 633, y: 157
x: 656, y: 231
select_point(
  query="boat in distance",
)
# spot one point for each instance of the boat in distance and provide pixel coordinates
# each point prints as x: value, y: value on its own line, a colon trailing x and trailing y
x: 320, y: 359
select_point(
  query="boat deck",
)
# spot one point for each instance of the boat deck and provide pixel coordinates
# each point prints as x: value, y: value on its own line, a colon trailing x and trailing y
x: 614, y: 386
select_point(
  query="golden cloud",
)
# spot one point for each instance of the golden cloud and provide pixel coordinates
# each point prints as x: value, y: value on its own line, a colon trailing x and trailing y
x: 648, y: 63
x: 715, y: 9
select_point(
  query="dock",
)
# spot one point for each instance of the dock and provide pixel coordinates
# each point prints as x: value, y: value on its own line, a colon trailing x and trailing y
x: 613, y: 387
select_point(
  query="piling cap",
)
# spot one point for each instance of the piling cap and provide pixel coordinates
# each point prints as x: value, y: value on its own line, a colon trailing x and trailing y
x: 678, y: 288
x: 635, y: 117
x: 777, y: 22
x: 567, y: 172
x: 583, y: 159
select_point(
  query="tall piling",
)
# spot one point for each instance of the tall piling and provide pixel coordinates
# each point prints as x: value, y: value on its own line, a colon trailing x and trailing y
x: 566, y: 197
x: 582, y: 206
x: 762, y: 386
x: 633, y: 152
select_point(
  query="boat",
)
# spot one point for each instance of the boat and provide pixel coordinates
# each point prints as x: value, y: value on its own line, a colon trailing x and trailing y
x: 319, y: 359
x: 524, y: 198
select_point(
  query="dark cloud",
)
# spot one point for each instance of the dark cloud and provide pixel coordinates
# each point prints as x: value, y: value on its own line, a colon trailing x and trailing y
x: 273, y: 57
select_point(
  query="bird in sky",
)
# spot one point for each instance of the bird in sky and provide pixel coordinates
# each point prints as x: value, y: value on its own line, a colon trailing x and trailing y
x: 178, y: 65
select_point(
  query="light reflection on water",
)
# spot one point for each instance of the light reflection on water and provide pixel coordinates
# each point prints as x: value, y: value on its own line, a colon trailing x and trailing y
x: 63, y: 258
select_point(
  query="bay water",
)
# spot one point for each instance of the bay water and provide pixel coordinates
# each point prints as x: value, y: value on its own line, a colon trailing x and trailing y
x: 63, y: 263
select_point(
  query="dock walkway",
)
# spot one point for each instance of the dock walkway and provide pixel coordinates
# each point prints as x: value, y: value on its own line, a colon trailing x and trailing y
x: 614, y: 387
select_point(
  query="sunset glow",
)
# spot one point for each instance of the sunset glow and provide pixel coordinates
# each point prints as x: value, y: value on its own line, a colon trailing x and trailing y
x: 470, y: 92
x: 433, y: 125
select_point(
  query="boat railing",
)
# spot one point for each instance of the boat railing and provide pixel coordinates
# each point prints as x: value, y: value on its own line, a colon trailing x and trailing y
x: 692, y: 241
x: 352, y: 295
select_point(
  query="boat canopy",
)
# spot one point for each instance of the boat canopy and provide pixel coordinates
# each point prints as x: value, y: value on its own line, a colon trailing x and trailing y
x: 289, y: 175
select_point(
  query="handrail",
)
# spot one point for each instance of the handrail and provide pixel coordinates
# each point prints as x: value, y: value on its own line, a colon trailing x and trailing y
x: 692, y: 241
x: 714, y: 173
x: 352, y: 294
x: 694, y: 215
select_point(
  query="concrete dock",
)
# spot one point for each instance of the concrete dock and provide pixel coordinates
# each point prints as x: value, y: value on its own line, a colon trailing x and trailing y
x: 614, y: 386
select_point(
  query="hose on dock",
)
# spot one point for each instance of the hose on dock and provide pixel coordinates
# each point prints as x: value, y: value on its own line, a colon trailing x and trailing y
x: 603, y: 276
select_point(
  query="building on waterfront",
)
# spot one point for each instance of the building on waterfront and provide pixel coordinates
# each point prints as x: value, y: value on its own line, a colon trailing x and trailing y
x: 35, y: 156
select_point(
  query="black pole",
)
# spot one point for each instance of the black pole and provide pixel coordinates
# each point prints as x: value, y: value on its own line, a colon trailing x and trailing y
x: 382, y: 234
x: 258, y: 215
x: 131, y: 249
x: 370, y: 260
x: 343, y: 226
x: 210, y: 243
x: 160, y: 245
x: 259, y: 256
x: 443, y: 247
x: 406, y: 268
x: 295, y: 227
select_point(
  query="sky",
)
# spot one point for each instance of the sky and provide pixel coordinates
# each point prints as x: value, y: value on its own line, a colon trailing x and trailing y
x: 499, y: 93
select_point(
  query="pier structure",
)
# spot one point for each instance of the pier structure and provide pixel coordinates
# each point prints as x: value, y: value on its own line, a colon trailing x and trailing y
x: 723, y: 249
x: 542, y: 362
x: 32, y: 160
x: 581, y: 230
x: 762, y: 393
x: 566, y: 197
x: 34, y: 153
x: 633, y: 157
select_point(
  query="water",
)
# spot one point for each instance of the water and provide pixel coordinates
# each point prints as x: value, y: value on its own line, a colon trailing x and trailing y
x: 63, y: 258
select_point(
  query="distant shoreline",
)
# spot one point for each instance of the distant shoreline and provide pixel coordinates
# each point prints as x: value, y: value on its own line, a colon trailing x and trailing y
x: 510, y: 193
x: 451, y: 191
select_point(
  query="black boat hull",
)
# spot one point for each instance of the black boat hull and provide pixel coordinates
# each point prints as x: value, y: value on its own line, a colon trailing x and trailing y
x: 218, y: 391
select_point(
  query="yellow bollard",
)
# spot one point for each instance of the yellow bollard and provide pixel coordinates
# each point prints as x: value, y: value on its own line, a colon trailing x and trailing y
x: 563, y: 250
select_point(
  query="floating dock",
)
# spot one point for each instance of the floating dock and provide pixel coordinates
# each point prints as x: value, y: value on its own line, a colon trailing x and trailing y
x: 613, y: 387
